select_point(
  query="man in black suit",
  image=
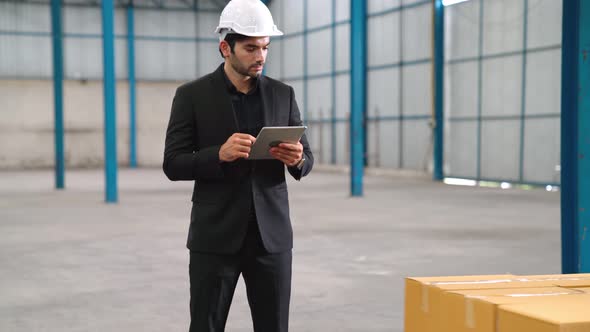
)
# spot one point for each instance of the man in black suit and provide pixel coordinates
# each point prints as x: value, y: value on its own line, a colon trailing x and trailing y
x: 240, y: 215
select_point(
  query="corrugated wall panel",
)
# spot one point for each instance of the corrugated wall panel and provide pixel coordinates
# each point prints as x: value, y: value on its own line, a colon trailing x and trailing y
x: 499, y: 150
x: 417, y: 33
x: 502, y: 24
x: 343, y: 47
x: 342, y: 10
x: 293, y: 19
x: 318, y: 13
x: 461, y: 92
x: 544, y: 21
x: 374, y: 6
x: 417, y: 90
x: 383, y: 39
x: 207, y: 59
x: 501, y: 82
x: 461, y: 149
x: 293, y: 66
x: 383, y: 92
x: 319, y: 44
x: 206, y: 24
x: 416, y: 145
x: 542, y: 153
x: 503, y: 107
x: 24, y: 17
x: 462, y: 30
x: 319, y: 100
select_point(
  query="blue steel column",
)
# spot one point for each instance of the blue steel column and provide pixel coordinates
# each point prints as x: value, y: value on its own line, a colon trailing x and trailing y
x: 575, y: 140
x: 110, y: 127
x: 439, y: 67
x: 131, y: 75
x: 58, y: 93
x: 583, y: 137
x: 358, y: 92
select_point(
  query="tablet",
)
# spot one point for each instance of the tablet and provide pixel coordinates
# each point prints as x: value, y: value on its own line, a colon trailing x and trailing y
x: 273, y: 136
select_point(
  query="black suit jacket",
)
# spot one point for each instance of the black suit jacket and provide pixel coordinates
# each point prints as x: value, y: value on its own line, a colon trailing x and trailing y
x: 201, y: 120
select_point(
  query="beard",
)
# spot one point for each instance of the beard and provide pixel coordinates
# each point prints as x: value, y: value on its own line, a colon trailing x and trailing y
x: 243, y: 70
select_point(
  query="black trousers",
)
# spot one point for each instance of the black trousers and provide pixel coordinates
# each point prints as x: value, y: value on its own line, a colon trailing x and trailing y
x: 267, y: 276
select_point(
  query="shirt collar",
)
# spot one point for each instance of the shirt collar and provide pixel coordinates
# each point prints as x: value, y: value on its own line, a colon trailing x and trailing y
x: 232, y: 89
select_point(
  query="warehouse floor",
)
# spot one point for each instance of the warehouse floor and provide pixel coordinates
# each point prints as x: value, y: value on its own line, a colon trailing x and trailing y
x: 69, y: 262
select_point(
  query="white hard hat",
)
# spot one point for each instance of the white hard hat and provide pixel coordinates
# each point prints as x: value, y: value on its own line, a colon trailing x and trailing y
x: 246, y: 17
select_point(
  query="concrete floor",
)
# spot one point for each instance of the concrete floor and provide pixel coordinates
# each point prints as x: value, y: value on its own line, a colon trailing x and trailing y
x: 69, y: 262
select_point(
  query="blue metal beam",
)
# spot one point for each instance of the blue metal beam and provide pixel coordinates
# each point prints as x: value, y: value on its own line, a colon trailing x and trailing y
x: 358, y: 92
x: 583, y: 230
x: 131, y: 78
x: 575, y: 139
x: 110, y: 127
x: 58, y: 93
x: 439, y: 64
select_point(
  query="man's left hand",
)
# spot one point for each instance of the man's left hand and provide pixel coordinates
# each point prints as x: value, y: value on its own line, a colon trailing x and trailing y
x: 289, y: 153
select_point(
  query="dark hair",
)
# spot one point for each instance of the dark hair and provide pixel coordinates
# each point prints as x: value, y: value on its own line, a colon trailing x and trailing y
x: 231, y: 39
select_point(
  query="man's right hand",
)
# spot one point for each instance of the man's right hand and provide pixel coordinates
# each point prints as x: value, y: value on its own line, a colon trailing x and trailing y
x: 237, y: 146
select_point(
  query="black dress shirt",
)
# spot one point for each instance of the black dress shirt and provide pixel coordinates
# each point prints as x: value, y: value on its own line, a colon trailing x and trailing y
x: 247, y: 107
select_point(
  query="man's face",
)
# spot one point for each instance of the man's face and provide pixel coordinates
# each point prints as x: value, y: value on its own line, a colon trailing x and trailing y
x: 249, y: 56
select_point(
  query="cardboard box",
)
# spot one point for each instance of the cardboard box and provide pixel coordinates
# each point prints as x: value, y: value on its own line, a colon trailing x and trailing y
x: 573, y: 280
x: 423, y: 299
x: 476, y: 310
x: 566, y: 313
x: 583, y: 289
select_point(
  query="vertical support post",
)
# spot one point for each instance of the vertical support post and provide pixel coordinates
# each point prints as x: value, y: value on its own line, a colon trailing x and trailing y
x: 131, y: 74
x: 358, y: 92
x: 110, y: 127
x: 575, y: 139
x: 439, y: 67
x: 583, y: 138
x: 56, y: 37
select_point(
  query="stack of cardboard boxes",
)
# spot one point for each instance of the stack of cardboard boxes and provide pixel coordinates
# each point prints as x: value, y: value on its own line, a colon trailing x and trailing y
x: 498, y: 303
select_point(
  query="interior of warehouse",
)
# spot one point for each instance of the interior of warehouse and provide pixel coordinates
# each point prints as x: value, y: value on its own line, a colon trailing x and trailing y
x: 502, y: 91
x: 401, y: 99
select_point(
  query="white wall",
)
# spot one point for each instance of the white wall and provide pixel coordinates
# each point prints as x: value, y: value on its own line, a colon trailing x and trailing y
x: 27, y: 126
x: 503, y: 111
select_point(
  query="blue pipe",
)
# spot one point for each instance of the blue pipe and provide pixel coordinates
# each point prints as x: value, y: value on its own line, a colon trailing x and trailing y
x: 439, y: 63
x: 110, y: 126
x: 358, y: 92
x: 569, y: 134
x: 131, y: 65
x: 58, y: 93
